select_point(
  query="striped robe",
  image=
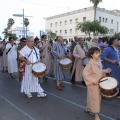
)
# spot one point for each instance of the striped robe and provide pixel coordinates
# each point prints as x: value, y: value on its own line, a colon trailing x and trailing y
x: 30, y: 82
x: 58, y: 49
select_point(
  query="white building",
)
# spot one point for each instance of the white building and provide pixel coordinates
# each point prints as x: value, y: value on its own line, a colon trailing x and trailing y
x: 19, y: 32
x: 65, y: 24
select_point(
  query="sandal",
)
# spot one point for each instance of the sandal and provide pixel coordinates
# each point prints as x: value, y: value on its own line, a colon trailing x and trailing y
x: 12, y: 76
x: 41, y: 95
x: 88, y: 111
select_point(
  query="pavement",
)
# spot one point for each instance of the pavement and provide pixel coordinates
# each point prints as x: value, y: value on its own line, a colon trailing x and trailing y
x: 68, y: 104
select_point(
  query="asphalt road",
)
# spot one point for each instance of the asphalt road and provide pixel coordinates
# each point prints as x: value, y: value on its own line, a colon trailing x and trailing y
x: 67, y: 104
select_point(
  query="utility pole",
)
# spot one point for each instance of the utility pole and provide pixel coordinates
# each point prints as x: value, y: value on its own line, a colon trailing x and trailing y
x: 23, y: 25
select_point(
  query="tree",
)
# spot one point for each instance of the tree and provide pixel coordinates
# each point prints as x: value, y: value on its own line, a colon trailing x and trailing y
x: 7, y: 34
x: 50, y: 34
x: 95, y: 2
x: 26, y: 23
x: 92, y: 27
x: 10, y: 24
x: 85, y: 27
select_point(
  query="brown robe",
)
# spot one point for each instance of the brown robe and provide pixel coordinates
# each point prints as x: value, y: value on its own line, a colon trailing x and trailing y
x: 46, y: 54
x: 93, y: 73
x: 79, y: 54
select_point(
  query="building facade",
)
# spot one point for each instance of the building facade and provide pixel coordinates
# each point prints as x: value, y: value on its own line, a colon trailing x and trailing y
x: 65, y: 24
x: 20, y: 33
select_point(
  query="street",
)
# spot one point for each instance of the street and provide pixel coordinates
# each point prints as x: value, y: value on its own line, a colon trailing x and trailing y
x: 68, y: 104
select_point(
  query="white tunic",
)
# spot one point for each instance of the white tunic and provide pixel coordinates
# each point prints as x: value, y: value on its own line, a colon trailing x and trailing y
x: 30, y: 82
x: 12, y: 58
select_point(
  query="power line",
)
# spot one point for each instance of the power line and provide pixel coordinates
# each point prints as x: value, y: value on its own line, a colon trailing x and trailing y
x: 44, y: 4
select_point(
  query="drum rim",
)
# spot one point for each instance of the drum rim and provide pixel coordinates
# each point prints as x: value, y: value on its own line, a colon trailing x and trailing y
x: 37, y: 63
x: 112, y: 88
x: 66, y: 64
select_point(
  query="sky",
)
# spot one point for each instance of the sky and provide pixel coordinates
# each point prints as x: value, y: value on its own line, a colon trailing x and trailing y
x: 41, y: 9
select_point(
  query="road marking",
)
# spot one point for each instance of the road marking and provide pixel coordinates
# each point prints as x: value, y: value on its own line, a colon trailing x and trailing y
x: 105, y: 116
x: 26, y: 114
x: 67, y: 82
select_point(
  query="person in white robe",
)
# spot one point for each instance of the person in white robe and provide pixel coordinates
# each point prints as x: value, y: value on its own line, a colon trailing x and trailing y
x: 30, y: 83
x: 11, y: 52
x: 4, y: 57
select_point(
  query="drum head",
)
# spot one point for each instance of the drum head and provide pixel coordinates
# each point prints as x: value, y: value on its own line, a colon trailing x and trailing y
x: 39, y: 67
x: 65, y: 61
x: 109, y: 83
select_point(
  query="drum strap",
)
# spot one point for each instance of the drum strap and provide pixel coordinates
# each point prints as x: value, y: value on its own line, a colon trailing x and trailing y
x: 9, y: 50
x: 35, y: 52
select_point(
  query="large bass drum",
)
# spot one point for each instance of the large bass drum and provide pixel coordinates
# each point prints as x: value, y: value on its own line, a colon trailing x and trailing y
x: 108, y: 87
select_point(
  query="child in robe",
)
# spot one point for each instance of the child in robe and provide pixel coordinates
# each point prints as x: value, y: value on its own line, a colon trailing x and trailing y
x: 92, y: 74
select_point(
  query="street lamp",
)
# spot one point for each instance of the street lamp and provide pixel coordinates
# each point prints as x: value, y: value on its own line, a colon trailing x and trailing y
x: 23, y: 16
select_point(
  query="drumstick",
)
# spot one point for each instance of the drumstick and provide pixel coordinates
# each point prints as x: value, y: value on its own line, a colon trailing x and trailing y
x: 103, y: 80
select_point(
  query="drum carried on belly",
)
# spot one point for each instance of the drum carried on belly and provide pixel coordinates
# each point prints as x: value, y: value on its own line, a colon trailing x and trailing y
x: 108, y: 87
x: 65, y: 63
x: 85, y: 61
x: 39, y: 69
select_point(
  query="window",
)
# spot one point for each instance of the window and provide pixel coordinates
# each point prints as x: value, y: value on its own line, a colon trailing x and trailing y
x: 106, y: 20
x: 65, y: 22
x: 50, y: 24
x: 84, y: 19
x: 99, y: 19
x: 19, y: 35
x: 60, y: 32
x: 65, y: 31
x: 60, y: 23
x: 71, y: 21
x: 76, y: 20
x: 103, y: 19
x: 111, y: 21
x: 76, y: 31
x: 70, y: 31
x: 56, y: 32
x: 56, y: 24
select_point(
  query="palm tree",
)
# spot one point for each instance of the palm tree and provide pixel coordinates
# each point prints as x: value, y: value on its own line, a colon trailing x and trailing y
x: 95, y: 2
x: 10, y: 23
x: 26, y: 23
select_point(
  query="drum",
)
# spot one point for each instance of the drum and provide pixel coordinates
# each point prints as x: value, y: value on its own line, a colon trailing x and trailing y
x: 39, y: 69
x: 85, y: 60
x: 65, y: 63
x: 108, y: 87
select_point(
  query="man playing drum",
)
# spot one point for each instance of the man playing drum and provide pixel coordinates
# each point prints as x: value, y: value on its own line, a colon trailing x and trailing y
x: 58, y: 52
x: 110, y: 57
x: 30, y: 83
x: 79, y: 53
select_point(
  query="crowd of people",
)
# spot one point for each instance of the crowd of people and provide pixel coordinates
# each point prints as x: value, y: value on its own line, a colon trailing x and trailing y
x: 104, y: 61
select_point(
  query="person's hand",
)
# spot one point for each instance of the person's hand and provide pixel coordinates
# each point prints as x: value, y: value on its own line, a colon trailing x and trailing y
x: 28, y: 62
x: 59, y: 56
x: 113, y: 61
x: 107, y: 70
x: 95, y: 83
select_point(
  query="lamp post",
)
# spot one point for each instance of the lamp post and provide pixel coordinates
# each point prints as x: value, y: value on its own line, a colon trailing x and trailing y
x: 23, y: 16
